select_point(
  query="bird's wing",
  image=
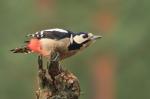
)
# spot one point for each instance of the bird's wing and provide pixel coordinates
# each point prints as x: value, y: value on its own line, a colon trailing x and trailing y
x: 52, y: 34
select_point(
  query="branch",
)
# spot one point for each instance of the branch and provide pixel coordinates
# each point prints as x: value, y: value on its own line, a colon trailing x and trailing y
x: 56, y: 83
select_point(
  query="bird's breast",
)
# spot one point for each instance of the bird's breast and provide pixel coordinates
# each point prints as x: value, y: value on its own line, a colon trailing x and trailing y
x: 50, y: 46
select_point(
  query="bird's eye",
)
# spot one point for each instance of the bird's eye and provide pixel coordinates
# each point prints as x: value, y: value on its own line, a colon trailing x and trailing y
x: 85, y: 36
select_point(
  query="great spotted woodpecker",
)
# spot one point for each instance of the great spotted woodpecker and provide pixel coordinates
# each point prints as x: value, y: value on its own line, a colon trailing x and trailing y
x: 57, y: 44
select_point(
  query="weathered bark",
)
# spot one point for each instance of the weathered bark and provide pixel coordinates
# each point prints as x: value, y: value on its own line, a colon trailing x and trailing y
x: 56, y: 83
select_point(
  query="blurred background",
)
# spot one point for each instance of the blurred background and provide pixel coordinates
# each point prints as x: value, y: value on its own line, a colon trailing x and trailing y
x: 115, y: 67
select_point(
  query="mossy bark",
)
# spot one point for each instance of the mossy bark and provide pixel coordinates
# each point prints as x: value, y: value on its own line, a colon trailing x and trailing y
x: 56, y: 83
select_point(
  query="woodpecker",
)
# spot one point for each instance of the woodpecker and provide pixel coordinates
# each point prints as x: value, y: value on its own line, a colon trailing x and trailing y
x: 56, y: 44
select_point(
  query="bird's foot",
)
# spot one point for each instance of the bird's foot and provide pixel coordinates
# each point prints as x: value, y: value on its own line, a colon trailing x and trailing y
x: 54, y: 68
x: 40, y: 62
x: 55, y: 57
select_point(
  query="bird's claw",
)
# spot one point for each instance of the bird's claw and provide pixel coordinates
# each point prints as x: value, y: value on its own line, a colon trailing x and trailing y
x: 55, y: 57
x: 40, y: 62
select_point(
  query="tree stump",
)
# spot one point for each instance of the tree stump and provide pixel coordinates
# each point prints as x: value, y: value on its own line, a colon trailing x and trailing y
x: 56, y: 83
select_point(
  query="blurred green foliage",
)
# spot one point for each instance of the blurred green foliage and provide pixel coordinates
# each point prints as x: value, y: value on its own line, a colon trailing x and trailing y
x: 129, y: 40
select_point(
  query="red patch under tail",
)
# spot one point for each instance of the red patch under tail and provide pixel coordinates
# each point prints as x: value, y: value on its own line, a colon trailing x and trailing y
x: 34, y: 45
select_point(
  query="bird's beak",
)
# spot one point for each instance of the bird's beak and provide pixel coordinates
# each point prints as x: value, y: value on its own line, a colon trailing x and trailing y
x: 95, y: 37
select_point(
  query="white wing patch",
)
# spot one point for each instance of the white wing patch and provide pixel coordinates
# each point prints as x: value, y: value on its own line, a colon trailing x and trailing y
x: 57, y: 29
x: 41, y: 33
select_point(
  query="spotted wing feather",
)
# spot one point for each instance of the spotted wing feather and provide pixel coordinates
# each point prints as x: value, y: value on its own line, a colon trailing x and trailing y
x: 57, y: 35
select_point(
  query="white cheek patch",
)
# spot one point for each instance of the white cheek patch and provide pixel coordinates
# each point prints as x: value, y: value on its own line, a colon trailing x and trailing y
x: 79, y: 39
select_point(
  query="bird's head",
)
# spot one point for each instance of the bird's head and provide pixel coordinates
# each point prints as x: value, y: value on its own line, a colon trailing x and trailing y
x: 83, y: 39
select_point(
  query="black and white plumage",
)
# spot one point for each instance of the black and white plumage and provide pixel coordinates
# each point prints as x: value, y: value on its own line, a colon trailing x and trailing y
x: 64, y: 42
x: 51, y: 34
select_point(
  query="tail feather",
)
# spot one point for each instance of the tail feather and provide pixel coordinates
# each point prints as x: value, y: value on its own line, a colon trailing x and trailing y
x: 21, y: 50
